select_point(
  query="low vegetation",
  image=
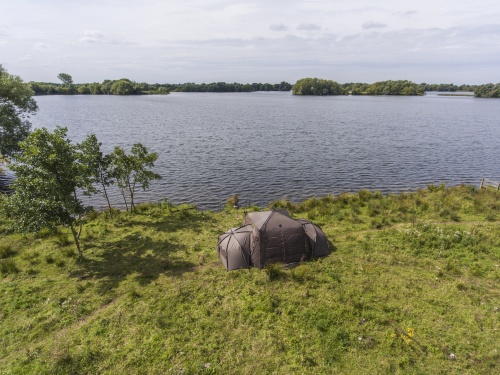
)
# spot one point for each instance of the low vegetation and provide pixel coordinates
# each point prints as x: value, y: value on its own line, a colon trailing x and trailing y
x: 489, y: 90
x: 411, y: 287
x: 125, y: 86
x: 317, y: 87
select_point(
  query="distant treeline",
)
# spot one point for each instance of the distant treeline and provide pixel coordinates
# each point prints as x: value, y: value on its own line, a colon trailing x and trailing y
x: 127, y: 87
x: 230, y: 87
x: 304, y: 86
x: 108, y: 87
x: 316, y: 86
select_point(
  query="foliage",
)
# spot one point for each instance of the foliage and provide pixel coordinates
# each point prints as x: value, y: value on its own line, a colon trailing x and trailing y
x: 65, y: 78
x: 488, y: 91
x: 127, y: 87
x: 231, y: 87
x: 402, y: 299
x: 97, y: 164
x: 109, y: 87
x: 394, y: 88
x: 122, y: 87
x: 233, y: 202
x: 447, y: 87
x: 16, y: 107
x: 316, y: 86
x: 67, y: 88
x: 130, y: 170
x: 49, y: 175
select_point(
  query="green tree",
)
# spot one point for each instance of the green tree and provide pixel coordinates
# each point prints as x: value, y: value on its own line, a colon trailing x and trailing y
x: 16, y: 107
x: 488, y: 90
x: 68, y: 88
x: 65, y: 78
x: 95, y: 88
x: 84, y: 89
x: 316, y: 86
x: 97, y: 164
x: 130, y: 171
x: 122, y: 87
x: 49, y: 175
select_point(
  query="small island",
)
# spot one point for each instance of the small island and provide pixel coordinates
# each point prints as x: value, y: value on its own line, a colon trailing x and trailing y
x: 489, y: 90
x: 316, y: 86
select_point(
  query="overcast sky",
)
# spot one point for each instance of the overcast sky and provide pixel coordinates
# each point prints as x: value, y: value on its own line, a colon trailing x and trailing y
x: 173, y: 41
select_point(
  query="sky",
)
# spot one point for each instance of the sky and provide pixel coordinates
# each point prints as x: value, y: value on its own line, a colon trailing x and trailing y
x: 177, y: 41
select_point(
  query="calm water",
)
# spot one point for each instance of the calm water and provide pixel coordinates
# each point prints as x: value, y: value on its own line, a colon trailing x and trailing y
x: 266, y: 146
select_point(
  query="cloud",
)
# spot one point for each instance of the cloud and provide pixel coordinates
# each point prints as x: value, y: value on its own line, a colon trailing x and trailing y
x: 373, y: 25
x: 278, y: 27
x: 4, y: 33
x: 40, y: 46
x: 96, y: 37
x: 92, y: 36
x: 408, y: 13
x: 309, y: 27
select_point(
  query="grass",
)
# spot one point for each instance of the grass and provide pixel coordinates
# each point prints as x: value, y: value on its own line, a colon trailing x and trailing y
x: 411, y: 288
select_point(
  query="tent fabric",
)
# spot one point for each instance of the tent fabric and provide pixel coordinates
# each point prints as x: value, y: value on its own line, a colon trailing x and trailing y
x: 277, y: 238
x: 270, y: 237
x: 317, y: 238
x: 234, y: 247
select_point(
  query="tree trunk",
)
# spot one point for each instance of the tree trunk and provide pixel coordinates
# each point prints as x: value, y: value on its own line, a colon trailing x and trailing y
x: 77, y: 241
x: 131, y: 193
x: 105, y: 193
x: 124, y: 198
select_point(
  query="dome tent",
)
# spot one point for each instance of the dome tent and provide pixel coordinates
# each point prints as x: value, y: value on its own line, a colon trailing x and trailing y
x: 269, y: 237
x: 317, y: 238
x: 234, y: 248
x: 276, y: 238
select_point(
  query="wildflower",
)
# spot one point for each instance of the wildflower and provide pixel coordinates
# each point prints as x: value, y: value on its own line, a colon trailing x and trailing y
x: 452, y: 357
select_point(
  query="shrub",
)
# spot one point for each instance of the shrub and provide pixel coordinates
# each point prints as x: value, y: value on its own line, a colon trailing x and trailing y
x: 364, y: 195
x: 282, y: 204
x: 233, y: 201
x: 274, y: 272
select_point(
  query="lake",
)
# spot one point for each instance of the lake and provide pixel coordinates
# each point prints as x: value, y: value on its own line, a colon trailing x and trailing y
x: 270, y: 145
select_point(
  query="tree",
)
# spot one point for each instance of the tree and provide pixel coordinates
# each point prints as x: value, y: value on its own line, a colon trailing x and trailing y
x: 65, y: 78
x: 68, y: 86
x: 489, y: 90
x: 49, y: 175
x: 130, y: 170
x: 122, y: 87
x: 97, y: 164
x: 84, y: 89
x: 316, y: 86
x: 16, y: 107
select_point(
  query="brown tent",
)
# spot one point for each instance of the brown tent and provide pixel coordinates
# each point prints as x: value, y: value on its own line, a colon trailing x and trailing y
x: 276, y: 238
x: 234, y: 248
x: 317, y: 238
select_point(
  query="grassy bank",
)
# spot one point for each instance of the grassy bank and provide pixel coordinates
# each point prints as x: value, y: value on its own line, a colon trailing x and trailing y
x: 411, y: 287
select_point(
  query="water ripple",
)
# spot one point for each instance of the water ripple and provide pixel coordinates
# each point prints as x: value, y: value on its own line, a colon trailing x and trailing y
x: 266, y: 146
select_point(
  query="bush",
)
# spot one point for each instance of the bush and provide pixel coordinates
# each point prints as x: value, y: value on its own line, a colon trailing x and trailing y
x: 274, y: 272
x: 233, y: 201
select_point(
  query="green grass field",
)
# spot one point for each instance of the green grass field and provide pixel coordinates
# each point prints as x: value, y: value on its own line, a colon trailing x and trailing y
x: 411, y: 287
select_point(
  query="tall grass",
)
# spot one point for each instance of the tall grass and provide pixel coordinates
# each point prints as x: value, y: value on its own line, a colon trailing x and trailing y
x: 412, y: 287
